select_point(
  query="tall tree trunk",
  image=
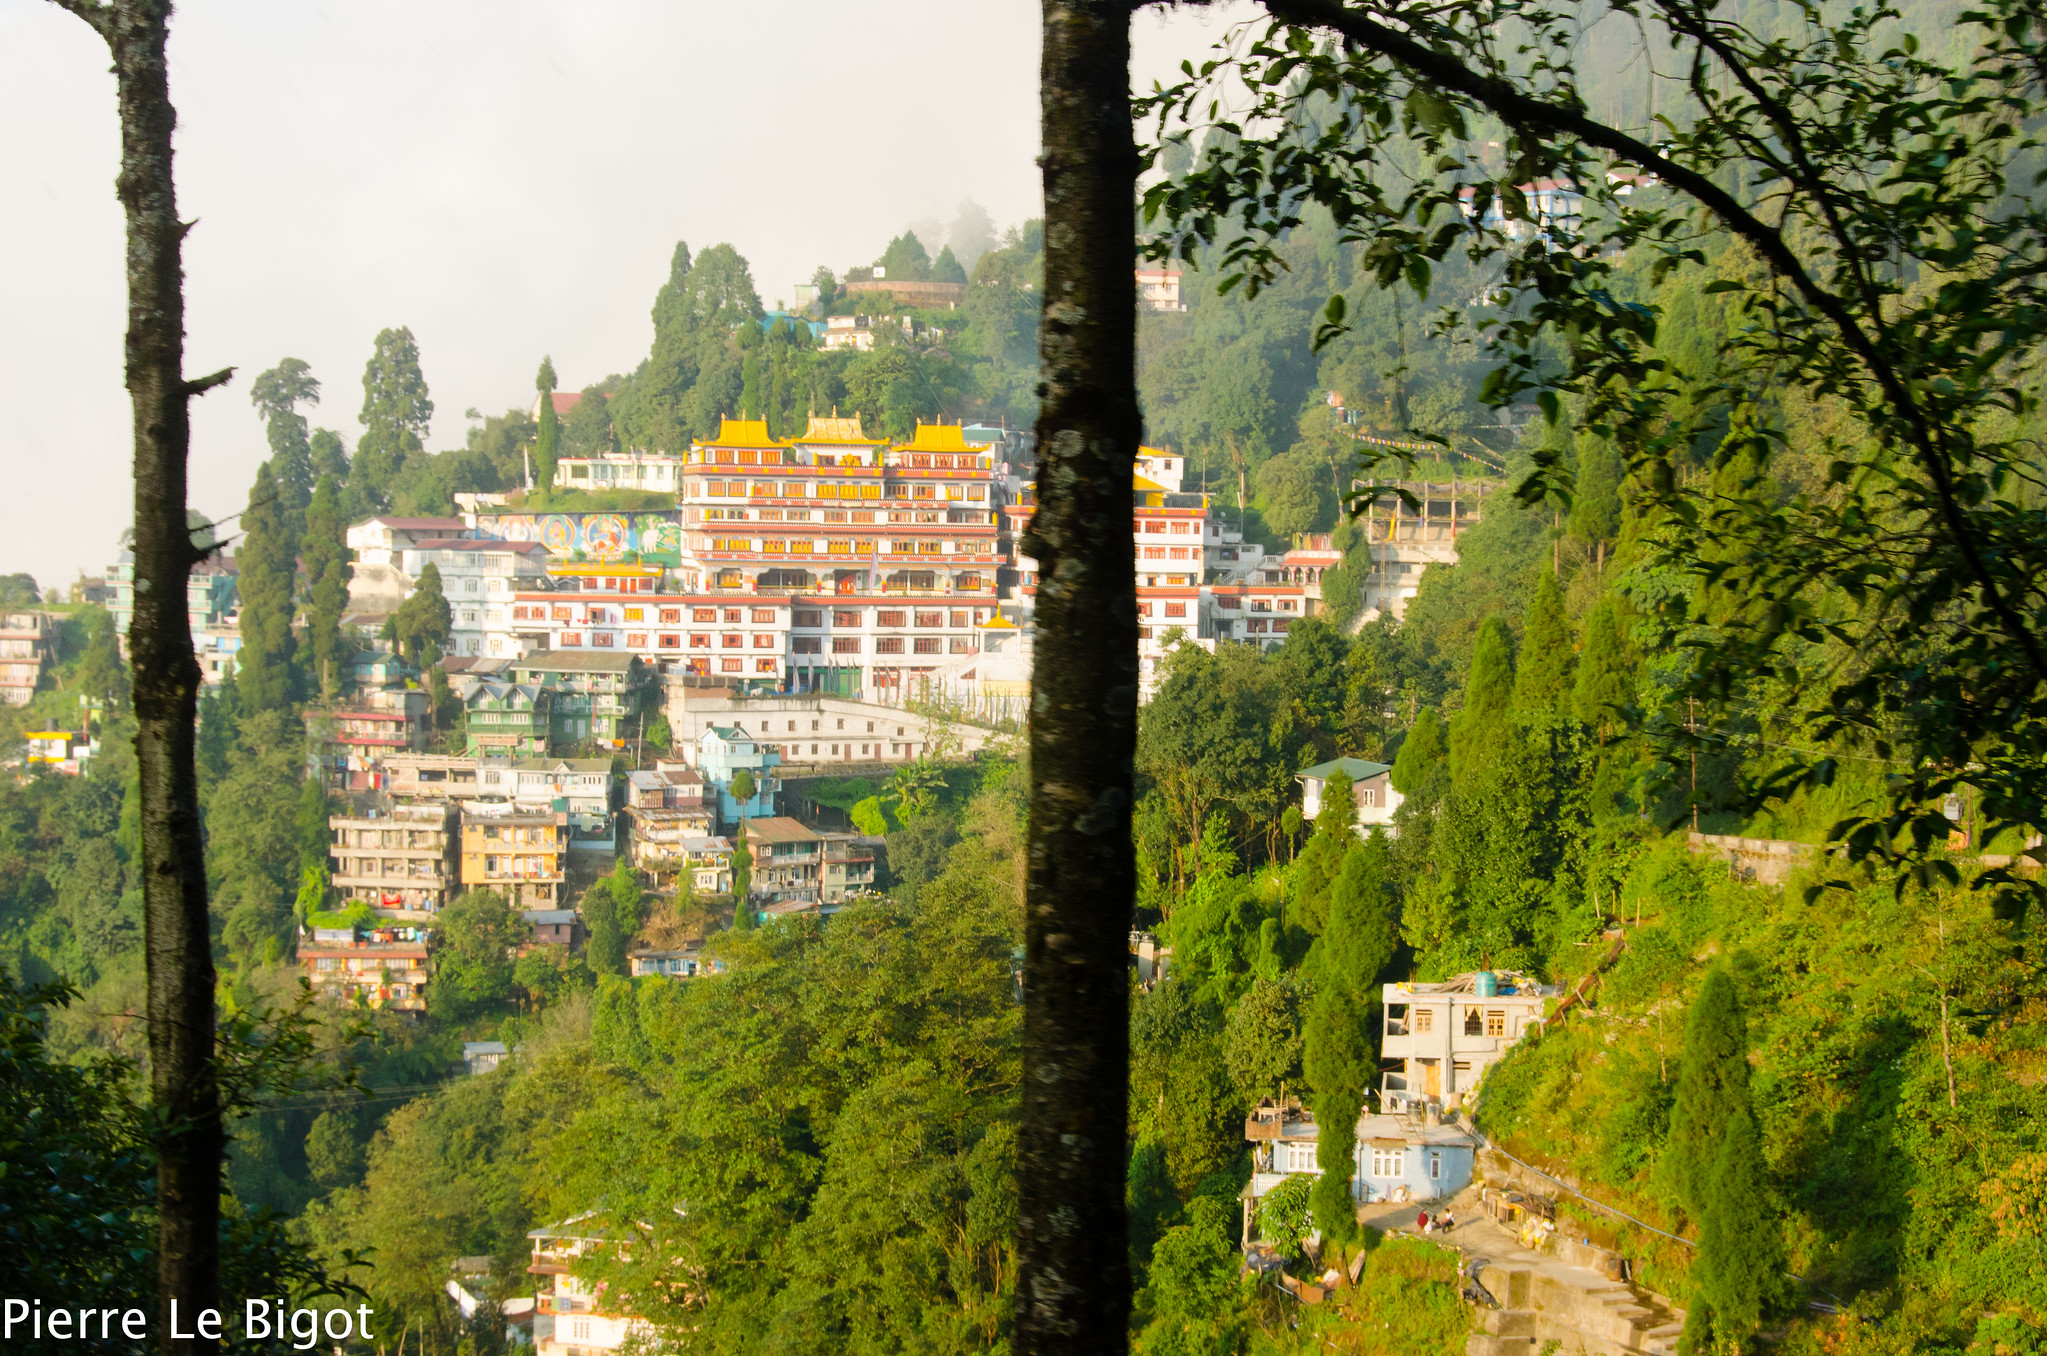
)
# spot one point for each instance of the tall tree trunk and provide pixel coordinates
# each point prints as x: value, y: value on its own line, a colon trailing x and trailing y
x: 183, y: 1082
x: 1073, y: 1274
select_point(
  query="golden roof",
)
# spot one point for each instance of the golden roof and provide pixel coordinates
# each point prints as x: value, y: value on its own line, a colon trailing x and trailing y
x: 1138, y: 482
x: 832, y: 429
x: 742, y: 433
x: 941, y: 438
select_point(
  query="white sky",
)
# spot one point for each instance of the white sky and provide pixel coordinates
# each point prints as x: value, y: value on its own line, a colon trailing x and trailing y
x: 507, y: 177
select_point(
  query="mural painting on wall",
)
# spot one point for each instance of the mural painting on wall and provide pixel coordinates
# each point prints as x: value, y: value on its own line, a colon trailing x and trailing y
x: 652, y: 537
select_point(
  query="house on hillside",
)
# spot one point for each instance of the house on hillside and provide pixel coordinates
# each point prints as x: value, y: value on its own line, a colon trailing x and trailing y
x: 723, y: 752
x: 576, y: 1318
x: 1394, y: 1158
x: 787, y: 859
x: 1371, y: 786
x: 1441, y: 1038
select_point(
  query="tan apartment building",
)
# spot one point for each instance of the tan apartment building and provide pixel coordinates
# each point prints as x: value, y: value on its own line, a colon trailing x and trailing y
x: 401, y: 860
x: 1441, y: 1038
x: 382, y: 967
x: 27, y: 642
x: 520, y: 854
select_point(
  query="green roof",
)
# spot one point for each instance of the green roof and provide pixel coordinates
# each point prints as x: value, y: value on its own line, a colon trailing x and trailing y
x: 1357, y: 769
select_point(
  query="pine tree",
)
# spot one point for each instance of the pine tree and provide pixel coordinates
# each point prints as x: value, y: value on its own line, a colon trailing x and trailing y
x: 1364, y: 924
x: 424, y: 619
x: 1596, y: 507
x: 1738, y: 1276
x: 547, y: 446
x: 605, y: 947
x: 325, y: 553
x: 946, y: 267
x: 1712, y: 1090
x: 396, y: 412
x: 1479, y: 735
x: 1322, y: 858
x: 313, y: 833
x: 1542, y: 687
x: 742, y: 881
x: 1606, y: 675
x: 1420, y: 753
x: 627, y: 897
x: 267, y: 677
x: 330, y: 456
x: 276, y: 394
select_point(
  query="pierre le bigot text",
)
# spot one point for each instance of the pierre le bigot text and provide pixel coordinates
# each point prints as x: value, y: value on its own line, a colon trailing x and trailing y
x: 262, y: 1320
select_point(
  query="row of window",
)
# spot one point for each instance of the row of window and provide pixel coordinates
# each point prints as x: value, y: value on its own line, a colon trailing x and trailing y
x: 1477, y: 1022
x: 782, y: 546
x: 1171, y: 609
x: 772, y: 456
x: 888, y: 645
x: 1172, y: 552
x: 796, y: 489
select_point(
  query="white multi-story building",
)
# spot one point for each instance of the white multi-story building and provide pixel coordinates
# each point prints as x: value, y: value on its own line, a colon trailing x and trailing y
x: 656, y: 472
x: 480, y: 579
x: 1446, y: 1035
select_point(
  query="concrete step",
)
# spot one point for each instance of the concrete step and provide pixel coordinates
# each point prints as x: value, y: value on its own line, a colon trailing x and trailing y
x: 1670, y: 1330
x: 1509, y: 1322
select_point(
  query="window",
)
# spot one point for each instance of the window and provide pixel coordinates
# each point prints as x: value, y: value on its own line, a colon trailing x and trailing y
x: 1368, y: 799
x: 699, y: 642
x: 965, y: 645
x: 845, y: 645
x: 764, y: 615
x: 1298, y: 1158
x: 731, y: 666
x: 765, y: 666
x: 1388, y: 1163
x: 806, y: 645
x: 733, y: 616
x: 1424, y: 1020
x: 889, y: 645
x: 1496, y: 1023
x: 636, y: 640
x: 930, y: 619
x: 764, y: 640
x: 1474, y: 1024
x: 733, y: 642
x: 809, y: 618
x: 636, y: 614
x: 1176, y: 609
x: 671, y: 616
x: 701, y: 615
x: 888, y: 618
x: 959, y: 619
x: 845, y: 619
x: 927, y: 645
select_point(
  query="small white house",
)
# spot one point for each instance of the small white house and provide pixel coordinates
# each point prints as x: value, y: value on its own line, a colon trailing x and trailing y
x: 1416, y: 1157
x: 1371, y: 786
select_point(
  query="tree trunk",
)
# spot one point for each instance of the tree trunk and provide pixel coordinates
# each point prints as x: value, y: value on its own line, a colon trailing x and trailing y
x: 183, y: 1082
x: 1073, y: 1279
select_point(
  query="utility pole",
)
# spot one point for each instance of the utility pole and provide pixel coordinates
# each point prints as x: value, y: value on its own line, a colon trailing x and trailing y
x: 1692, y: 724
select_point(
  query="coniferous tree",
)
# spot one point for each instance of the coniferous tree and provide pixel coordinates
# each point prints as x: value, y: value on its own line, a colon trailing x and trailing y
x: 547, y: 446
x: 1322, y: 858
x: 395, y: 414
x: 742, y: 880
x: 1606, y: 676
x: 1479, y: 736
x: 1739, y: 1273
x: 325, y: 553
x: 1712, y: 1090
x: 424, y: 619
x: 313, y: 833
x: 330, y: 456
x: 1542, y: 683
x: 605, y: 947
x: 1420, y: 753
x: 267, y: 676
x: 946, y: 267
x: 277, y: 394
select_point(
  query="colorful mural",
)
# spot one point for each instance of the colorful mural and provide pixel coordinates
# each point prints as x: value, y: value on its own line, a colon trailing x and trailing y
x: 655, y: 538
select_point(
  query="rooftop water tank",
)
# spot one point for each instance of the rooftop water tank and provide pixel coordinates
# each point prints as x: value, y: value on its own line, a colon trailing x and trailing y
x: 1487, y: 984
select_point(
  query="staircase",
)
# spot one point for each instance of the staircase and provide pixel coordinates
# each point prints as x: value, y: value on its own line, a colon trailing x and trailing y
x: 1547, y: 1299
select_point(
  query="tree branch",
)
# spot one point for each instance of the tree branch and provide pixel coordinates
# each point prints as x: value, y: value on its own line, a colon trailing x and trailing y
x: 201, y: 385
x: 1524, y: 110
x: 100, y: 16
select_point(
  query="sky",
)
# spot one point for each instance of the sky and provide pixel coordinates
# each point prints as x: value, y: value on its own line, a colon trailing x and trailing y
x: 507, y: 177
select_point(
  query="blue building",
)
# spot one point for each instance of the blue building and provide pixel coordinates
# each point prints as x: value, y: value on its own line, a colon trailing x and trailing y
x: 722, y: 752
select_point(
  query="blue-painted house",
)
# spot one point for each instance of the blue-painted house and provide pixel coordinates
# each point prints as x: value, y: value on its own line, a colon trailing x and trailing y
x: 722, y: 751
